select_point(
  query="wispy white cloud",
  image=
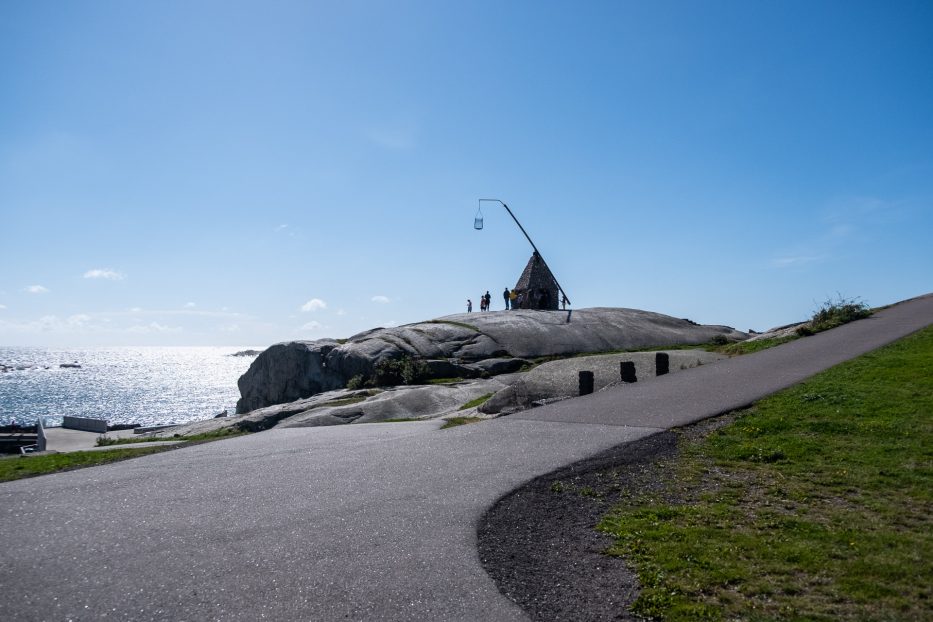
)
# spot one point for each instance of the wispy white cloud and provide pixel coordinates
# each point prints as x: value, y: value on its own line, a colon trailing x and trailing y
x: 312, y: 325
x: 286, y: 230
x: 78, y: 323
x: 851, y: 207
x: 125, y: 323
x: 2, y: 307
x: 37, y: 289
x: 104, y: 273
x: 381, y: 299
x: 153, y: 327
x: 844, y: 221
x: 190, y: 305
x: 185, y: 312
x: 80, y: 319
x: 792, y: 261
x: 341, y: 312
x: 315, y: 304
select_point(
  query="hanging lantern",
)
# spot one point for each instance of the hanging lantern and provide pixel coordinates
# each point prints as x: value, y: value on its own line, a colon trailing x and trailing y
x: 478, y: 219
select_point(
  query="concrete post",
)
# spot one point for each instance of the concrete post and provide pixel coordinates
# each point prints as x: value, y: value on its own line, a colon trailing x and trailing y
x: 627, y: 369
x: 586, y: 382
x: 40, y: 434
x: 662, y: 363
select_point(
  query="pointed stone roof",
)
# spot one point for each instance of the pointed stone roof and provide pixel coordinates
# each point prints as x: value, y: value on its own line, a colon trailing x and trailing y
x: 538, y: 285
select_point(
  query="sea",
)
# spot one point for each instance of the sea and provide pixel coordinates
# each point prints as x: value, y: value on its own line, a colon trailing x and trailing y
x: 125, y: 385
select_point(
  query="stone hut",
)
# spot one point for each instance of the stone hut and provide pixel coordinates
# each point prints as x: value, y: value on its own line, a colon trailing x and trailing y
x: 536, y: 287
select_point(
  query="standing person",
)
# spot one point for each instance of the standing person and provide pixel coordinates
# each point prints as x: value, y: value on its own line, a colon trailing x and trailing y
x: 488, y: 301
x: 482, y: 302
x: 469, y: 306
x: 513, y: 298
x: 563, y: 301
x: 505, y: 296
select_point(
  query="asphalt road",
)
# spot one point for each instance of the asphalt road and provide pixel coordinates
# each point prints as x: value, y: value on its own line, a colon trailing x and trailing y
x: 374, y: 521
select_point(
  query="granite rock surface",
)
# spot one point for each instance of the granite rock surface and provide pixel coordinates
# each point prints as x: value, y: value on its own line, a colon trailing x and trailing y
x: 291, y: 371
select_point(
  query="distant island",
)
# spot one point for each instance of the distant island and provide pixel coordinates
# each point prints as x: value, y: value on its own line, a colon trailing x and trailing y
x: 247, y: 353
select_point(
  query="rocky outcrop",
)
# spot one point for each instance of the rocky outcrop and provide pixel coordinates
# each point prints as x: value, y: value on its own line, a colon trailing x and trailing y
x: 483, y: 397
x: 418, y: 402
x: 343, y: 406
x: 560, y: 379
x: 497, y: 366
x: 287, y: 372
x: 457, y: 346
x: 781, y: 332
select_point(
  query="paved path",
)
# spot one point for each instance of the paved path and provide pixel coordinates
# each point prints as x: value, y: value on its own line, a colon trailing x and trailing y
x: 370, y: 521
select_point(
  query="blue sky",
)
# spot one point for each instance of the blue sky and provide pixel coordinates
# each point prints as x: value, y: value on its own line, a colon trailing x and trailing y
x: 242, y: 173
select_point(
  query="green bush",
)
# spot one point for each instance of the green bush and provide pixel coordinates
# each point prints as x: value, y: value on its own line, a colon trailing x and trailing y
x: 413, y: 371
x: 400, y: 371
x: 837, y: 312
x: 356, y: 382
x: 719, y: 340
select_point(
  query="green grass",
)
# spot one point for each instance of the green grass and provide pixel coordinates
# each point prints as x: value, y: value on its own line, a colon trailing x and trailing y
x: 815, y: 504
x: 747, y: 347
x: 400, y: 420
x: 457, y: 421
x: 474, y: 403
x: 105, y: 441
x: 444, y: 380
x: 30, y: 466
x: 831, y: 314
x: 537, y: 361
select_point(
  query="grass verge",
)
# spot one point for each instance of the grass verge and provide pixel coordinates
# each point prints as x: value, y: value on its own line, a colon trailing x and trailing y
x: 474, y: 403
x: 457, y: 421
x: 814, y: 504
x: 30, y: 466
x: 19, y: 467
x: 106, y: 441
x: 747, y: 347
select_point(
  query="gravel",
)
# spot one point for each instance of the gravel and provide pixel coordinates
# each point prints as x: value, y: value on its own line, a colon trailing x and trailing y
x: 540, y: 544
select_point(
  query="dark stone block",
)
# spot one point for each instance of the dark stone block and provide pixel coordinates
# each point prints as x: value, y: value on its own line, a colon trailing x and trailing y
x: 627, y: 369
